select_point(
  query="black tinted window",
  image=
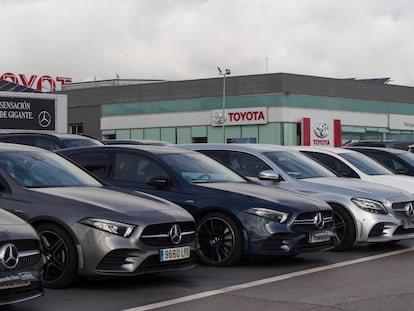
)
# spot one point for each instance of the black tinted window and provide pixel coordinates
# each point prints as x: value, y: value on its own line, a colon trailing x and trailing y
x: 96, y: 163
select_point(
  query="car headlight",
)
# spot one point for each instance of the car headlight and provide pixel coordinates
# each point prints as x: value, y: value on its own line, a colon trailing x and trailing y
x: 370, y: 205
x: 271, y: 214
x: 110, y: 226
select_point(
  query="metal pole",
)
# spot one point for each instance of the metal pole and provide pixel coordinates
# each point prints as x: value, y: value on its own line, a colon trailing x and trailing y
x: 224, y: 108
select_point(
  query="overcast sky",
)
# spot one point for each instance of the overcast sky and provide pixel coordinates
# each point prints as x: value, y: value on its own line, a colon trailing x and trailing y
x: 188, y: 39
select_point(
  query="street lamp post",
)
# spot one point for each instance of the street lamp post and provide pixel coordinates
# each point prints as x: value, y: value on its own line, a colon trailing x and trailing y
x: 224, y: 74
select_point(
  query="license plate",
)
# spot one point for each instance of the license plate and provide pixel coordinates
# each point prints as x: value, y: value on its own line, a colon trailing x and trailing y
x: 176, y: 253
x: 408, y: 224
x: 14, y: 285
x: 320, y: 237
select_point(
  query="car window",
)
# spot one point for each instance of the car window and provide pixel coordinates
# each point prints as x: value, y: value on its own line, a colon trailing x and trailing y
x: 45, y: 143
x: 366, y: 164
x: 44, y: 169
x: 96, y: 162
x: 392, y: 163
x: 333, y: 163
x: 298, y: 165
x: 247, y: 164
x: 196, y: 168
x: 136, y: 168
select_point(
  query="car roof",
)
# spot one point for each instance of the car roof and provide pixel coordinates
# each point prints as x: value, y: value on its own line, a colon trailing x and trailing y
x: 136, y: 142
x: 327, y: 150
x: 53, y: 134
x: 380, y: 149
x: 148, y: 148
x: 7, y: 147
x: 240, y: 147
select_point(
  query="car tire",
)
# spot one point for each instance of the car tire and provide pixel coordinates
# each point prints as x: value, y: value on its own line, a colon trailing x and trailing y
x: 61, y: 261
x: 220, y: 240
x: 344, y: 229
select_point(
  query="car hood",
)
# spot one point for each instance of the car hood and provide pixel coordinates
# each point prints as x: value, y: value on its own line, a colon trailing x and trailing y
x: 13, y: 227
x: 99, y: 200
x: 398, y: 181
x: 352, y: 188
x: 259, y: 195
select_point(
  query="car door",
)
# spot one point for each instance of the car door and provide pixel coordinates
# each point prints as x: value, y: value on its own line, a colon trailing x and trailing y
x: 140, y: 172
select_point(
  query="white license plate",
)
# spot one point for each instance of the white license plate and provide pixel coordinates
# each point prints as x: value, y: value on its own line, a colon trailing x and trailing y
x: 320, y: 237
x: 408, y: 224
x: 176, y: 253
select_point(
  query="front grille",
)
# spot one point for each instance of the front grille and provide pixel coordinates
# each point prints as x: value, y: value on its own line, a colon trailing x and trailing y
x: 400, y: 209
x: 306, y: 222
x: 158, y: 235
x: 401, y: 230
x: 29, y: 254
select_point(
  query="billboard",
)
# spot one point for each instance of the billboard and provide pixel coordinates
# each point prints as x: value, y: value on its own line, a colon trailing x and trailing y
x: 27, y: 113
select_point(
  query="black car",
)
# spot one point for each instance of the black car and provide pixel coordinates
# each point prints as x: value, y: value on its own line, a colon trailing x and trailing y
x: 236, y: 218
x: 21, y: 260
x: 48, y: 140
x: 89, y: 228
x: 397, y: 160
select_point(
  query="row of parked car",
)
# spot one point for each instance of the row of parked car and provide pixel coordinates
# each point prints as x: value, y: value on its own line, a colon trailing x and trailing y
x: 104, y: 210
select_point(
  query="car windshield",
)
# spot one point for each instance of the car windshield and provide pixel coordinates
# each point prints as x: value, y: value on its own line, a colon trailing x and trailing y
x: 197, y: 168
x: 44, y: 169
x: 298, y: 165
x: 365, y: 164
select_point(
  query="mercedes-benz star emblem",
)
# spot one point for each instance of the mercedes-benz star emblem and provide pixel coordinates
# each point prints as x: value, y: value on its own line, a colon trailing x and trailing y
x: 44, y: 118
x: 321, y: 130
x: 318, y: 221
x: 175, y: 234
x: 9, y: 256
x: 409, y: 210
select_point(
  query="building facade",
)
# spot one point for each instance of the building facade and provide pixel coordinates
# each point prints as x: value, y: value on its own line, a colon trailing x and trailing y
x: 280, y: 108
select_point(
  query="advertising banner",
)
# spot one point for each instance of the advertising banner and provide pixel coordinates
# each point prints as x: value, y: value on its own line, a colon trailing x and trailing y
x: 27, y: 113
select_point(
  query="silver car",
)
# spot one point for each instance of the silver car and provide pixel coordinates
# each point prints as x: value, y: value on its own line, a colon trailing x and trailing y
x: 88, y: 228
x: 364, y: 211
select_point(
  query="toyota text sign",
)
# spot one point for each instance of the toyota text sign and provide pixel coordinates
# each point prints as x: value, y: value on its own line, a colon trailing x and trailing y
x: 27, y: 113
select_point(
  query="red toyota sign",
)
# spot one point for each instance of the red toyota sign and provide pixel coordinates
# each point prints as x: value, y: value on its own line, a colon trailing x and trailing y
x: 46, y: 82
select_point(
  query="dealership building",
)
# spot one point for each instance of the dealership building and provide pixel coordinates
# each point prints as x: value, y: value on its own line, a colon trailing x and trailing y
x: 279, y: 108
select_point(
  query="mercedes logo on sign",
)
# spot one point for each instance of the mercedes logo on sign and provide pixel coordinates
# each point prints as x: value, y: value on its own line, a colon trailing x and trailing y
x: 321, y: 130
x: 175, y: 234
x: 9, y: 256
x: 44, y: 118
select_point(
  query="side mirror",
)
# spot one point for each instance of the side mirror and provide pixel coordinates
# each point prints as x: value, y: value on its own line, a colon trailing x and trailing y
x: 159, y: 181
x: 269, y: 175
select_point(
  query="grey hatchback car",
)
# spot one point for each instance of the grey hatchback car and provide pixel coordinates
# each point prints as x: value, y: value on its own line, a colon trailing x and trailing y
x: 88, y: 228
x: 364, y: 211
